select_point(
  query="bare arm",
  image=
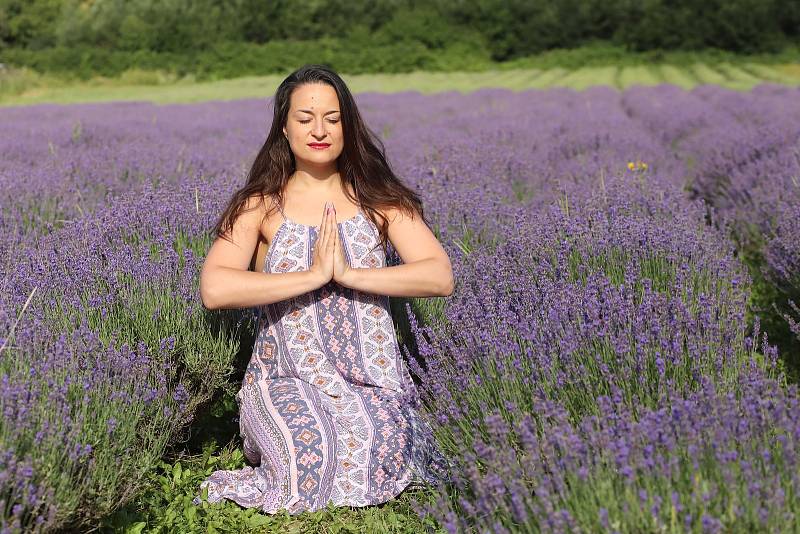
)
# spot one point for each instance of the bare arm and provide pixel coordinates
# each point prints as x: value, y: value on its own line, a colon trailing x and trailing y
x: 226, y: 282
x: 426, y: 270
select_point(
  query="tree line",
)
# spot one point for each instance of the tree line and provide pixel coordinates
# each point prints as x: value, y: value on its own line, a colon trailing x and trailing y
x: 510, y: 28
x: 500, y: 30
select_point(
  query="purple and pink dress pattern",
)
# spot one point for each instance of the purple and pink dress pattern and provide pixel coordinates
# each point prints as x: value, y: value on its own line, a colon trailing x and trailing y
x: 320, y: 406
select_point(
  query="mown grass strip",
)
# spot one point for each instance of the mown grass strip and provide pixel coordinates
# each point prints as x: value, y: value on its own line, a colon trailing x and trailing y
x: 678, y: 76
x: 15, y: 89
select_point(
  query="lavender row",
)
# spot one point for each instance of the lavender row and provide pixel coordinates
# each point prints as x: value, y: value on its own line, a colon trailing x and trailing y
x: 708, y: 462
x: 606, y: 316
x: 109, y: 360
x: 744, y: 156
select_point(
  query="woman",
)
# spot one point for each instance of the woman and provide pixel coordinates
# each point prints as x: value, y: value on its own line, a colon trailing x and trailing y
x: 322, y: 411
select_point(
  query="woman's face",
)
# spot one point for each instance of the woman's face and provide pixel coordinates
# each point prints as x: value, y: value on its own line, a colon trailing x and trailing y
x: 314, y: 118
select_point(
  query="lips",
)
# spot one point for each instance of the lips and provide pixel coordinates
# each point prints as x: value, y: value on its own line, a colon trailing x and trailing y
x: 319, y: 145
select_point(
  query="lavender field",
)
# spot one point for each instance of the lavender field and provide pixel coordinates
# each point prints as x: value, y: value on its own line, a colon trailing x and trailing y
x: 620, y: 352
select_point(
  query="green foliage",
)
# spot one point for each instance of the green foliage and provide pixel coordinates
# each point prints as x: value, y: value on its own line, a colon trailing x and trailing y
x: 492, y: 385
x: 519, y: 28
x: 114, y: 35
x: 205, y: 342
x: 769, y: 304
x: 166, y: 504
x: 423, y: 25
x: 181, y: 25
x: 741, y: 25
x: 127, y: 438
x: 229, y: 59
x: 606, y: 487
x: 29, y: 23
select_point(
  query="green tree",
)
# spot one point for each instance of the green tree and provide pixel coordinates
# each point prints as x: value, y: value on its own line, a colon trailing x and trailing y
x: 29, y: 23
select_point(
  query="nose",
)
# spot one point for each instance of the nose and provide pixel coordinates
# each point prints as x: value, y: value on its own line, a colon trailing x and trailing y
x: 319, y: 129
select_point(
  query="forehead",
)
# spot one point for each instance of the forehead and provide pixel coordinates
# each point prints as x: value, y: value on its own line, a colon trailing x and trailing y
x: 316, y: 96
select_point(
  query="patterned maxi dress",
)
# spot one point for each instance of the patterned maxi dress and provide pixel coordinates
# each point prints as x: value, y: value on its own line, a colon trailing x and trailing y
x: 320, y: 409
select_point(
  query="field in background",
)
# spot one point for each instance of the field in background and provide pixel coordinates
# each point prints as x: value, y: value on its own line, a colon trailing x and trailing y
x: 21, y: 87
x: 587, y: 369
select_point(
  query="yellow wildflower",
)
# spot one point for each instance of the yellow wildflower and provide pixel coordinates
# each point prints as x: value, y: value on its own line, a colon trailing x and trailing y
x: 637, y: 165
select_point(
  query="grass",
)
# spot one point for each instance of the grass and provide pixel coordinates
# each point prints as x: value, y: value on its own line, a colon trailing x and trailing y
x: 638, y: 75
x: 678, y: 76
x: 588, y: 76
x: 25, y: 87
x: 166, y: 506
x: 213, y: 443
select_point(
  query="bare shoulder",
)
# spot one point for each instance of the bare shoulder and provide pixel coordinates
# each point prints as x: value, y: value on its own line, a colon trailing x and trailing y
x: 394, y: 214
x: 410, y: 236
x: 251, y: 214
x: 244, y: 220
x: 256, y: 208
x: 235, y: 248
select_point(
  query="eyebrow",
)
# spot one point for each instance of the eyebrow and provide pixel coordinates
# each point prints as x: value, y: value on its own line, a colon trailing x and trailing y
x: 326, y: 113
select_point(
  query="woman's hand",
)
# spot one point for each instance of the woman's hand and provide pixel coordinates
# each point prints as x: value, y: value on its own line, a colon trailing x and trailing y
x: 322, y: 257
x: 340, y: 266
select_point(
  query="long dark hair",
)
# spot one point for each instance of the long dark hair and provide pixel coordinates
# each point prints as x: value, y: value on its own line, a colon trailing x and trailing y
x: 362, y: 163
